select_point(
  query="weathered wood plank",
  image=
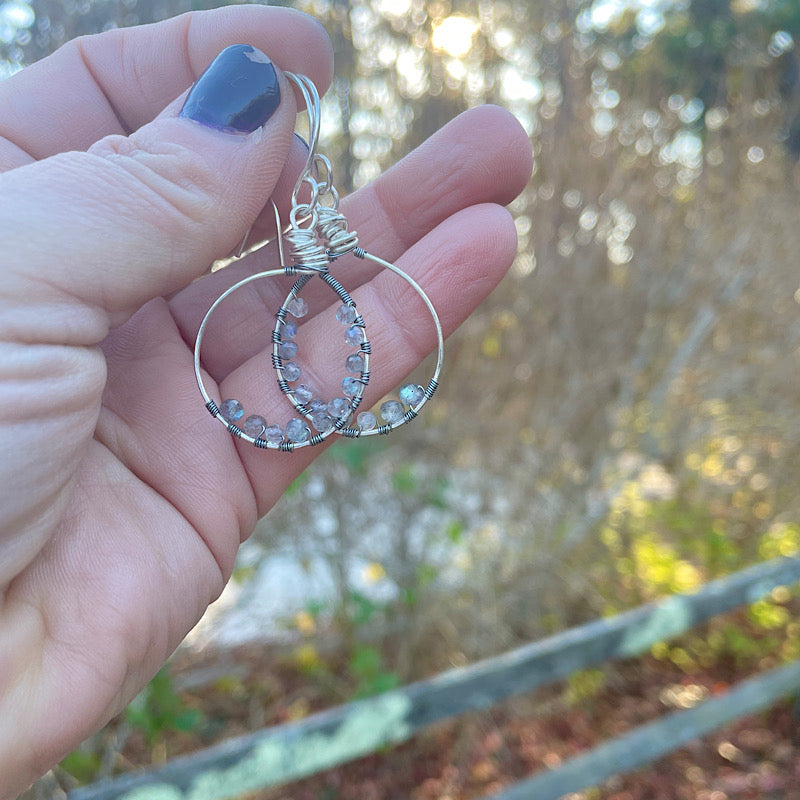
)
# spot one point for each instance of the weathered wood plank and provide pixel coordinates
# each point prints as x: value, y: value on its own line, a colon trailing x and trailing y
x: 649, y: 742
x: 277, y: 755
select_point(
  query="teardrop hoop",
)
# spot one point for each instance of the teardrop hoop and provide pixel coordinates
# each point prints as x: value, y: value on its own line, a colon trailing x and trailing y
x: 318, y: 235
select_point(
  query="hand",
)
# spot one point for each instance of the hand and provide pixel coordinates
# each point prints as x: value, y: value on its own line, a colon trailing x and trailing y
x: 122, y: 503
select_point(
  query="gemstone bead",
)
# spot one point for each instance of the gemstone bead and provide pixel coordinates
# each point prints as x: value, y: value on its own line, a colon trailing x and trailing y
x: 346, y: 315
x: 350, y: 386
x: 296, y: 431
x: 411, y: 394
x: 338, y: 407
x: 231, y: 410
x: 354, y: 364
x: 354, y: 335
x: 289, y: 330
x: 273, y: 434
x: 287, y: 349
x: 297, y: 307
x: 302, y: 393
x: 321, y: 421
x: 392, y: 411
x: 367, y: 421
x: 318, y: 405
x: 254, y: 425
x: 291, y: 371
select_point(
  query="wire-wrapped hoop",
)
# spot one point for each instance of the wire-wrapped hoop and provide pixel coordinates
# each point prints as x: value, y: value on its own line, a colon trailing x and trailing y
x: 337, y: 423
x: 356, y: 324
x: 428, y: 391
x: 318, y: 234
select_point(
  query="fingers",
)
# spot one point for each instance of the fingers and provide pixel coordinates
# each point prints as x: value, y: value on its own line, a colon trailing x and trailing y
x: 483, y: 153
x: 97, y: 234
x: 454, y: 169
x: 116, y: 82
x: 160, y: 428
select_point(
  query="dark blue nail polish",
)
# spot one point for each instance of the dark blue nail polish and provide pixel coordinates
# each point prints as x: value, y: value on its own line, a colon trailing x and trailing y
x: 238, y: 92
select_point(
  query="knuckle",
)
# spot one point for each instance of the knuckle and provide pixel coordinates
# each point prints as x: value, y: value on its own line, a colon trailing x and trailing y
x: 167, y: 186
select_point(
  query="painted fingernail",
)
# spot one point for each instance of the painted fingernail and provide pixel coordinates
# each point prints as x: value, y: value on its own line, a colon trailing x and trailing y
x: 238, y: 92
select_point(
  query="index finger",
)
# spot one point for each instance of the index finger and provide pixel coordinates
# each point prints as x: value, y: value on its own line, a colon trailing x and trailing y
x: 115, y: 82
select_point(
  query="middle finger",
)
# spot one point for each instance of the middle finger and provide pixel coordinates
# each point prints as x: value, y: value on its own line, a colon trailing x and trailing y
x: 481, y: 156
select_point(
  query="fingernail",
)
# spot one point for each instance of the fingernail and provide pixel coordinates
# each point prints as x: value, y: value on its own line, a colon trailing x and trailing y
x: 302, y: 141
x: 238, y: 92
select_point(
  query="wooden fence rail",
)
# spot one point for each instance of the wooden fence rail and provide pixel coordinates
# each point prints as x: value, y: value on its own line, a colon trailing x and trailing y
x: 277, y: 755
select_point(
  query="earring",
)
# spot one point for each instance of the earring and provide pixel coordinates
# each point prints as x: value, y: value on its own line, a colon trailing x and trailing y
x: 318, y: 234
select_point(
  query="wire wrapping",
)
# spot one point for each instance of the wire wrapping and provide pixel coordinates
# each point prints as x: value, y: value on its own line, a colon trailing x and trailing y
x: 332, y: 227
x: 307, y: 252
x: 318, y: 234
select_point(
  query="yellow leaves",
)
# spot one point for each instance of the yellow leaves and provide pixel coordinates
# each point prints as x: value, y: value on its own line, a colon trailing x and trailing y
x: 693, y: 461
x: 610, y: 538
x: 306, y: 657
x: 769, y: 615
x: 490, y: 346
x: 686, y: 577
x: 660, y: 650
x: 659, y: 568
x: 305, y: 623
x: 373, y: 572
x: 299, y: 709
x: 583, y: 685
x: 782, y: 539
x: 712, y: 466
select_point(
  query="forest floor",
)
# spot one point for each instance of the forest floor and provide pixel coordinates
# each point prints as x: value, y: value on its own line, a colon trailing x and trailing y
x: 479, y: 754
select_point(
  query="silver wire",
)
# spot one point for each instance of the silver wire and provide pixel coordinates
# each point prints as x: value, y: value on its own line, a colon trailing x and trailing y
x: 318, y: 217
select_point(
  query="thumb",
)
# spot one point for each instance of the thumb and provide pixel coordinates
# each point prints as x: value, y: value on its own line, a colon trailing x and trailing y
x: 136, y: 217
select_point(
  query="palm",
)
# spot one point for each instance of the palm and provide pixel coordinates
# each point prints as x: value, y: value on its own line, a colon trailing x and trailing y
x: 123, y: 531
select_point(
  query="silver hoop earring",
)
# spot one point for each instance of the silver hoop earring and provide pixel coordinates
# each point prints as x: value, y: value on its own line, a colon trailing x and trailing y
x: 319, y: 235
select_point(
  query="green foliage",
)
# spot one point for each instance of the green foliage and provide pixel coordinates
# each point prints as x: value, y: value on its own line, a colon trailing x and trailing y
x: 158, y: 710
x: 360, y: 609
x: 242, y: 574
x: 356, y: 455
x: 455, y: 531
x: 371, y: 676
x: 82, y: 764
x: 583, y: 686
x: 403, y: 479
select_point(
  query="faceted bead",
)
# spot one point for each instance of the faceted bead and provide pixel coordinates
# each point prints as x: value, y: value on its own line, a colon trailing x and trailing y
x: 367, y: 421
x: 297, y: 431
x: 273, y: 434
x: 289, y: 330
x: 231, y: 410
x: 411, y: 394
x: 287, y: 349
x: 392, y: 411
x: 338, y: 407
x: 350, y: 386
x: 354, y: 364
x: 346, y: 315
x: 318, y: 405
x: 297, y: 307
x: 354, y: 335
x: 321, y: 421
x: 254, y: 425
x: 291, y: 371
x: 302, y: 393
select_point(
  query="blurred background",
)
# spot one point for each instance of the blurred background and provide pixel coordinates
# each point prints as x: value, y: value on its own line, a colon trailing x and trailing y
x: 618, y: 422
